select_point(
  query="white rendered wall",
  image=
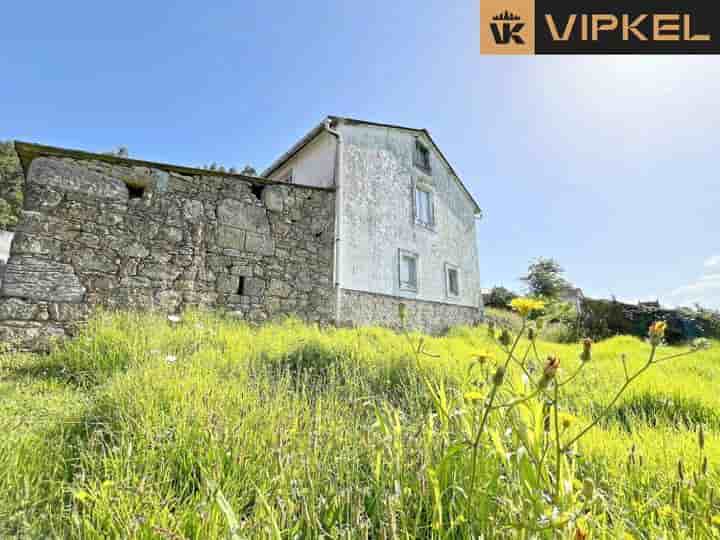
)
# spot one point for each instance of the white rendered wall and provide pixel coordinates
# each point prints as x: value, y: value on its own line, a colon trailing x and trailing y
x: 314, y: 165
x: 377, y: 219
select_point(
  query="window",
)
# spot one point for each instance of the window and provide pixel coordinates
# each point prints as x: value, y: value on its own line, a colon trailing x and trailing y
x: 452, y: 280
x: 422, y: 156
x: 424, y: 212
x: 408, y: 270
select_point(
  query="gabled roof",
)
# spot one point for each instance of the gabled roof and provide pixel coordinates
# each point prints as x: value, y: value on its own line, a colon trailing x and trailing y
x: 321, y: 127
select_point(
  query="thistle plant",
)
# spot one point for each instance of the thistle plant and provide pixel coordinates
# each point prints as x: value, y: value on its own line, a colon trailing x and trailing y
x: 516, y: 424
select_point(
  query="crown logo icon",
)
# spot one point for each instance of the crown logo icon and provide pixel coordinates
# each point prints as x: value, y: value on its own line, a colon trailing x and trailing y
x: 507, y: 16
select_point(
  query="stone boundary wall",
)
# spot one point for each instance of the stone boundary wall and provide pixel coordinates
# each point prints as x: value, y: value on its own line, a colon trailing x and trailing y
x: 359, y: 308
x: 99, y: 230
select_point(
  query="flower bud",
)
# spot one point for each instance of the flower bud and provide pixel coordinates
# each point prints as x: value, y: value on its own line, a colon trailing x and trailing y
x: 550, y: 371
x: 531, y: 334
x: 657, y: 332
x: 505, y: 338
x: 491, y: 329
x: 499, y: 376
x: 586, y: 354
x: 705, y: 466
x: 588, y: 488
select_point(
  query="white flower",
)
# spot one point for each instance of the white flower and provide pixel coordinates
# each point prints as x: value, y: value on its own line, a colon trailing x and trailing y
x: 174, y: 318
x: 171, y: 359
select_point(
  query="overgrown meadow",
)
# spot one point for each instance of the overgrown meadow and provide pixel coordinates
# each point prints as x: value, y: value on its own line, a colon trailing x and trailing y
x: 209, y: 428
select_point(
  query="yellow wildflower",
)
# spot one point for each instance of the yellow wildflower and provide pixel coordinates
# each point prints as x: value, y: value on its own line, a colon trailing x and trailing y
x: 525, y: 306
x: 657, y: 332
x: 473, y: 396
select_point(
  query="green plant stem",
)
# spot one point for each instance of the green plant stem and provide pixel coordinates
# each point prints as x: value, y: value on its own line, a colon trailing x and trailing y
x: 609, y: 407
x: 486, y: 413
x: 558, y: 449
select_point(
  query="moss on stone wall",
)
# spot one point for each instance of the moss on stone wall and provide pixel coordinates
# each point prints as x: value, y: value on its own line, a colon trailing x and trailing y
x: 12, y: 182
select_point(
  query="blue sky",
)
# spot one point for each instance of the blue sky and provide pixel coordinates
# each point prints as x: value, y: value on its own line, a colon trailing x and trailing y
x: 609, y: 164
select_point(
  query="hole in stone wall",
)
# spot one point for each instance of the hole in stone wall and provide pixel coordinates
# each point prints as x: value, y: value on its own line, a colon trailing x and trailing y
x: 135, y: 192
x: 257, y: 190
x: 241, y: 286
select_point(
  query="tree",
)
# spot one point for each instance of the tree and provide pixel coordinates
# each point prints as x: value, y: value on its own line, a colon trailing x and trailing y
x: 500, y: 297
x: 545, y: 278
x: 249, y: 170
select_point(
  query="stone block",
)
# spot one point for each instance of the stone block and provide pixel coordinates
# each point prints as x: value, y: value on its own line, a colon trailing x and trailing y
x: 259, y: 243
x: 64, y: 175
x: 249, y: 217
x: 31, y: 277
x: 230, y: 238
x: 274, y: 198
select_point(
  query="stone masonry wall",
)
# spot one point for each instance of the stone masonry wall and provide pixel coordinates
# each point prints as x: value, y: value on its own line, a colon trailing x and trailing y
x: 363, y: 308
x: 131, y: 235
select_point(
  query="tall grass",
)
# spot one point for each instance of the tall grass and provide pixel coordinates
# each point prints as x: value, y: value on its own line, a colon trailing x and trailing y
x: 210, y: 428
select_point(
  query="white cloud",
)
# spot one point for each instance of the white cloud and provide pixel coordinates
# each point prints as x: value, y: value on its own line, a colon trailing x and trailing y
x: 713, y: 262
x: 704, y: 291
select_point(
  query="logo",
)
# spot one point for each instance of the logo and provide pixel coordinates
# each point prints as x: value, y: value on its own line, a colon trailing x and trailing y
x: 506, y: 27
x: 599, y: 27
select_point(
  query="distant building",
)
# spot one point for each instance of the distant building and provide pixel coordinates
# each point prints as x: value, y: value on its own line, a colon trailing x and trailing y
x: 572, y: 295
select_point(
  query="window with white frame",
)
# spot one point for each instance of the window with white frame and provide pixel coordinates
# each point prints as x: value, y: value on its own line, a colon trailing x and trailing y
x: 424, y: 211
x: 452, y: 280
x: 408, y: 270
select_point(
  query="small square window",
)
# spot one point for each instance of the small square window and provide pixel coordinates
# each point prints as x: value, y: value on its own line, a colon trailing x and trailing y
x: 422, y: 156
x: 424, y: 211
x: 408, y: 270
x: 452, y: 280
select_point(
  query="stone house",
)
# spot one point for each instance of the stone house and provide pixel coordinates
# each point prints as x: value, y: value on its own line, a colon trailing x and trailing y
x: 406, y: 224
x: 353, y: 221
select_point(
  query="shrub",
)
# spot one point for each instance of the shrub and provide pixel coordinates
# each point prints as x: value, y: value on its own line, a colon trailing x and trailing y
x: 500, y: 298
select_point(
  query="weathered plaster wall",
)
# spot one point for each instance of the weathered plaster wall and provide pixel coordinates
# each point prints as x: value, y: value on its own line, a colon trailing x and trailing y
x: 314, y: 165
x: 378, y: 220
x: 190, y: 239
x: 363, y: 308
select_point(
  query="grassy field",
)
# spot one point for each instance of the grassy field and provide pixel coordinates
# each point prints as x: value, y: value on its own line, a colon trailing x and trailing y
x: 209, y: 428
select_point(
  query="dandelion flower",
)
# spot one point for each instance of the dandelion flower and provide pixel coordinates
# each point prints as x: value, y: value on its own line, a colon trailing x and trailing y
x: 525, y: 306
